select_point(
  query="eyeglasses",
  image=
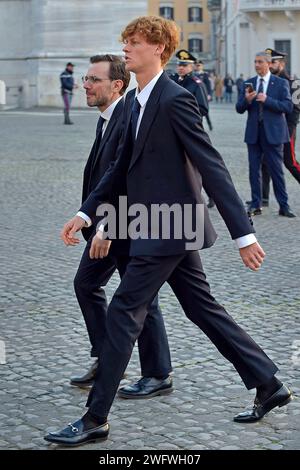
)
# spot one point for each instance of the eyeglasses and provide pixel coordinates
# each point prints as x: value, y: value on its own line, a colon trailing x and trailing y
x: 92, y: 79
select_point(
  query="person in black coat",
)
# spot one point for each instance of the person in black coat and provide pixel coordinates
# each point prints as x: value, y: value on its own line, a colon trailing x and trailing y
x: 192, y: 82
x: 186, y: 78
x: 163, y: 158
x: 105, y: 85
x: 204, y: 77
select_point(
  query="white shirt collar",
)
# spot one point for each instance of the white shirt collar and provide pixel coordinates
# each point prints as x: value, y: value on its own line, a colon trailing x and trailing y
x: 143, y: 95
x: 107, y: 113
x: 266, y: 77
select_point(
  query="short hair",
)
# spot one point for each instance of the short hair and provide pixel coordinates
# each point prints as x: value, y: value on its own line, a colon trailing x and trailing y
x: 265, y: 55
x: 155, y: 30
x: 117, y: 70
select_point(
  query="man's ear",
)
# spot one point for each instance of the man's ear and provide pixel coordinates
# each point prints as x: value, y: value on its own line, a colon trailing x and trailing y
x: 160, y: 49
x: 117, y: 85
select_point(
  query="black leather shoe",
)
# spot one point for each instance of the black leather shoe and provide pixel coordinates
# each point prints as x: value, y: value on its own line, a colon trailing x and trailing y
x: 75, y: 435
x: 147, y: 387
x: 254, y: 211
x: 87, y: 379
x: 280, y: 398
x: 286, y: 213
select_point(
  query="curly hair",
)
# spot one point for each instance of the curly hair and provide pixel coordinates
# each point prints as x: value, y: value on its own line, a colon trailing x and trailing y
x: 155, y: 30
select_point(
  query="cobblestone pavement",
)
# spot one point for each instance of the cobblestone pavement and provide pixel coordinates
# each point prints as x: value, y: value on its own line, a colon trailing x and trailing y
x: 43, y: 330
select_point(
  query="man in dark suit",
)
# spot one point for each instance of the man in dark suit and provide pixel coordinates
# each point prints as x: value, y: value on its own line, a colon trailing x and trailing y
x: 164, y: 154
x: 105, y: 85
x: 266, y: 98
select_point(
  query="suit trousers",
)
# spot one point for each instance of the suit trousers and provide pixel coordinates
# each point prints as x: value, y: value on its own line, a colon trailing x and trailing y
x: 127, y: 313
x: 273, y: 157
x: 91, y: 277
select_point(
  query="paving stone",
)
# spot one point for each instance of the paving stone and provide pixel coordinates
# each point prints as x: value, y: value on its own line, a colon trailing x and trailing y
x: 44, y: 332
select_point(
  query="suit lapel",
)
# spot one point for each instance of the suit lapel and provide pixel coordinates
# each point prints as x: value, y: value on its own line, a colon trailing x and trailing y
x: 270, y: 85
x: 150, y: 112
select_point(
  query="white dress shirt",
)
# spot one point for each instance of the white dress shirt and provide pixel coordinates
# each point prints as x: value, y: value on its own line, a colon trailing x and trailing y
x: 143, y: 97
x: 266, y: 80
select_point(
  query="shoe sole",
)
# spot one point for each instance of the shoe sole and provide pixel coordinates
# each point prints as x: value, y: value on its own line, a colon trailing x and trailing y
x: 90, y: 441
x: 81, y: 385
x: 166, y: 391
x: 88, y: 385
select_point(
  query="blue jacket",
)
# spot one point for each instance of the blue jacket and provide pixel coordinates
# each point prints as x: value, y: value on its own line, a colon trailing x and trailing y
x: 67, y: 81
x: 278, y: 103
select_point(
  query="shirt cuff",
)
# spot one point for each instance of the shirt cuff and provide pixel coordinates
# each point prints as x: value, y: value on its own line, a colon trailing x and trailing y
x: 246, y: 240
x: 85, y: 217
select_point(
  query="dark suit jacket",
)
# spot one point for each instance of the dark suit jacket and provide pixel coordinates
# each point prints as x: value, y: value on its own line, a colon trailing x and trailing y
x: 278, y: 103
x: 194, y: 85
x: 170, y: 157
x: 101, y: 156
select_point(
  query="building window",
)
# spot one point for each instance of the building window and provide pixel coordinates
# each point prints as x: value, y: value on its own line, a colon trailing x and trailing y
x: 167, y: 12
x: 195, y: 15
x: 195, y: 45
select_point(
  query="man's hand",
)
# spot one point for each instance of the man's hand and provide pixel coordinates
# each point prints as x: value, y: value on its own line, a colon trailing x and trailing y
x: 99, y: 248
x: 261, y: 97
x: 252, y: 256
x: 69, y: 230
x: 250, y: 96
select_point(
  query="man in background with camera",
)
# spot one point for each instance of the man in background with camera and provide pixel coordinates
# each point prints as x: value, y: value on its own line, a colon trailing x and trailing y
x: 267, y: 99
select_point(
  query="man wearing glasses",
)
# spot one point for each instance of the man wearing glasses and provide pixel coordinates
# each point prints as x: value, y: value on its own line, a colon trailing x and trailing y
x: 105, y: 85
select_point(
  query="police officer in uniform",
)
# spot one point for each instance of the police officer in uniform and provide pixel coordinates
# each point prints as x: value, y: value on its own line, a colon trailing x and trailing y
x: 186, y: 78
x: 204, y: 77
x: 67, y: 86
x: 289, y: 157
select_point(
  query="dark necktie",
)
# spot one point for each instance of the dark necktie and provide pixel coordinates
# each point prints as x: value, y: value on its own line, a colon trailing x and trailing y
x: 134, y: 118
x: 97, y: 141
x: 100, y: 123
x: 260, y: 105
